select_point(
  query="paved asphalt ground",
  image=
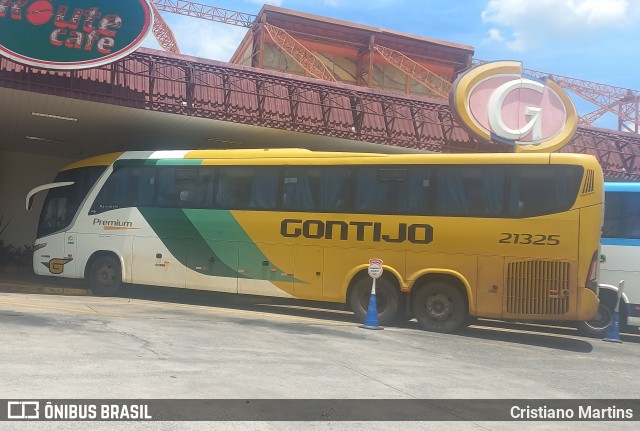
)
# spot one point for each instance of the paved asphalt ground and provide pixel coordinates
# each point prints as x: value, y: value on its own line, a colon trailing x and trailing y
x: 163, y: 343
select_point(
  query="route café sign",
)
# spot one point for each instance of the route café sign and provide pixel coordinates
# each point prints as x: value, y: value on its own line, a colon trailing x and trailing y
x: 72, y: 34
x: 496, y: 102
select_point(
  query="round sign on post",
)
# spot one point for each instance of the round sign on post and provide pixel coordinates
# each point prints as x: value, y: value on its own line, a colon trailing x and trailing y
x: 375, y: 271
x: 375, y: 268
x: 72, y: 34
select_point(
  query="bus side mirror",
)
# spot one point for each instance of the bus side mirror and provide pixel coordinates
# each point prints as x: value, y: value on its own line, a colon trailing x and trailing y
x: 31, y: 194
x: 29, y: 203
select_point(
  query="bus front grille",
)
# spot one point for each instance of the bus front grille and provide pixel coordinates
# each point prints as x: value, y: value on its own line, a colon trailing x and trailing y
x: 538, y: 287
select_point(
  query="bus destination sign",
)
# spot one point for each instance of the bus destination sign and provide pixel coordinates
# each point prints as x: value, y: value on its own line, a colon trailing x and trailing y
x: 72, y: 34
x: 497, y: 102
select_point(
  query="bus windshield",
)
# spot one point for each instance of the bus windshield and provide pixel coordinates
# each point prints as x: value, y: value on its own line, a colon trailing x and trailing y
x: 62, y: 203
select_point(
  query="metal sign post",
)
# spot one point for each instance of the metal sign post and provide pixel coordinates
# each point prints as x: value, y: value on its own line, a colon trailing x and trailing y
x: 375, y: 271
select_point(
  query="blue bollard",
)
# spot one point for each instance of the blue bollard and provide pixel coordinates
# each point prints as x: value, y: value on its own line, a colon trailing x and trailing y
x: 371, y: 320
x: 613, y: 331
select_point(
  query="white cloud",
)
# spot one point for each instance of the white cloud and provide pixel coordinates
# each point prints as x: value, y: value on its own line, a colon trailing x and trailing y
x: 531, y: 23
x: 206, y: 39
x: 494, y: 34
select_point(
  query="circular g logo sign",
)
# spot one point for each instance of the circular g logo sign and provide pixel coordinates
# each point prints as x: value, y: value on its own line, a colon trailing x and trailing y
x: 496, y: 103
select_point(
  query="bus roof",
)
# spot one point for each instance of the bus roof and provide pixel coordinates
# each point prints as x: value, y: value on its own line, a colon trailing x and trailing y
x: 304, y: 156
x: 102, y: 160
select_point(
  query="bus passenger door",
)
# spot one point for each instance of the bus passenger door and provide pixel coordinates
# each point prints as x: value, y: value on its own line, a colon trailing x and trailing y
x: 70, y: 251
x: 309, y: 267
x: 265, y: 269
x: 159, y: 261
x: 490, y: 288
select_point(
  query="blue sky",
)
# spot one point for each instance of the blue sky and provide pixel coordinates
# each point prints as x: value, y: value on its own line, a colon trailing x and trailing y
x: 594, y: 40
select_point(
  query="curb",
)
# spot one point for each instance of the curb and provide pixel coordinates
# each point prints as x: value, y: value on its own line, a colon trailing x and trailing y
x: 45, y: 290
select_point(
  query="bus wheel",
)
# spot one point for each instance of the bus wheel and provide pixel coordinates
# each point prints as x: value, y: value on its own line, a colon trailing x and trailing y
x: 439, y: 307
x: 105, y: 276
x: 387, y: 300
x: 597, y: 327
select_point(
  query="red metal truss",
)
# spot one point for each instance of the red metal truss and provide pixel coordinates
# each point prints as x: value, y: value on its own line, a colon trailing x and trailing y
x: 305, y: 58
x: 621, y: 102
x: 299, y: 53
x: 438, y: 86
x: 624, y: 103
x: 211, y: 13
x: 163, y: 33
x: 588, y: 119
x: 222, y: 91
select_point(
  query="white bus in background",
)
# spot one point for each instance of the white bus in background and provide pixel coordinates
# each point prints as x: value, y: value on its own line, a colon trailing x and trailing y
x: 619, y: 259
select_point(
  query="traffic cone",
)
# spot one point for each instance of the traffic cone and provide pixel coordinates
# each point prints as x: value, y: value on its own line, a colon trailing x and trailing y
x: 371, y: 321
x: 613, y: 331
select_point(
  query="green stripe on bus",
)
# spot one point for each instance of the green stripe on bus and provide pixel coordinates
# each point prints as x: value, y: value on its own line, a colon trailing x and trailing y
x: 222, y: 225
x: 170, y: 224
x: 157, y: 162
x: 213, y: 239
x: 179, y: 162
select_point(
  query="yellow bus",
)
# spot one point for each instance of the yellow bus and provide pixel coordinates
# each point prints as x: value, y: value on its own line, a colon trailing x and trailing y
x: 503, y: 236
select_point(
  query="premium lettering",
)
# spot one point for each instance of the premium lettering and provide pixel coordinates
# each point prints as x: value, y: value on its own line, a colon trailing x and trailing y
x: 359, y: 230
x: 112, y: 223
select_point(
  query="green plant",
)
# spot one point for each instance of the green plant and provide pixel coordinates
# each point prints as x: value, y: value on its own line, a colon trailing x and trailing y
x: 7, y: 251
x: 10, y: 255
x: 24, y: 256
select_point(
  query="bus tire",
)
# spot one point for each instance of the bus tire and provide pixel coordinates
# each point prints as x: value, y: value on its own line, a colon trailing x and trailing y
x: 440, y: 307
x: 597, y: 327
x: 387, y: 300
x: 105, y: 276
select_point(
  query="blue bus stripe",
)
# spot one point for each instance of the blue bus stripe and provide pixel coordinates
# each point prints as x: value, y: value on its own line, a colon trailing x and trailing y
x: 627, y: 242
x: 633, y: 310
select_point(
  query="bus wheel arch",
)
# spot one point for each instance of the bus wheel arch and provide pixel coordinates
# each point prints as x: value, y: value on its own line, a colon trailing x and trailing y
x: 389, y: 298
x: 104, y: 273
x: 598, y: 326
x: 440, y: 302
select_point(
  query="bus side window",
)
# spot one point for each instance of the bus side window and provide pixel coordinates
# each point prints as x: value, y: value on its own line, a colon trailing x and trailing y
x: 234, y: 187
x: 374, y: 191
x: 206, y: 188
x: 116, y: 192
x: 167, y: 192
x: 297, y: 194
x: 540, y: 190
x: 493, y: 188
x: 333, y: 194
x: 451, y: 197
x: 264, y: 188
x: 186, y: 186
x: 413, y: 196
x: 614, y: 216
x: 632, y: 214
x: 144, y: 187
